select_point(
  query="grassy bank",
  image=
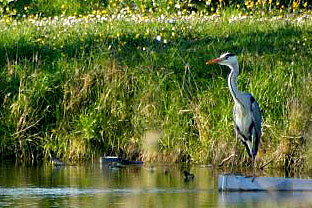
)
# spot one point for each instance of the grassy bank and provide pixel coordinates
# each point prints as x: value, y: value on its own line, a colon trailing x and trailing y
x: 79, y: 87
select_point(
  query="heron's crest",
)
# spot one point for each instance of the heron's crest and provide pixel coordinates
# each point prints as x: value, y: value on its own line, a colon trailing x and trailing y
x: 227, y: 55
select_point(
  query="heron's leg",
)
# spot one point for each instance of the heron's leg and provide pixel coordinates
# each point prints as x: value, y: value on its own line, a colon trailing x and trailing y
x: 253, y: 168
x: 236, y: 153
x: 253, y: 156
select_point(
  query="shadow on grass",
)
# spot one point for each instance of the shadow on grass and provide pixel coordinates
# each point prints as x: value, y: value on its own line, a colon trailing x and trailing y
x: 173, y: 55
x: 152, y: 56
x: 157, y: 57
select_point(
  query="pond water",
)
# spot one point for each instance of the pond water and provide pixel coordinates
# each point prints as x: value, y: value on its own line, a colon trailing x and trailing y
x: 131, y: 186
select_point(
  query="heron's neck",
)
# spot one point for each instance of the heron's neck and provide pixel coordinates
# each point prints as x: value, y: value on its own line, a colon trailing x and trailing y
x: 232, y: 82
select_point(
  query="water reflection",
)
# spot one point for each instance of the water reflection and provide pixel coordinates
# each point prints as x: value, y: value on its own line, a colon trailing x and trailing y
x: 34, y: 192
x: 131, y: 186
x: 100, y: 186
x: 273, y: 198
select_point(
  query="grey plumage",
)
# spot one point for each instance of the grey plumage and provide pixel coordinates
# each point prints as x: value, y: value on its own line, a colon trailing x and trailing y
x: 253, y: 126
x: 246, y: 111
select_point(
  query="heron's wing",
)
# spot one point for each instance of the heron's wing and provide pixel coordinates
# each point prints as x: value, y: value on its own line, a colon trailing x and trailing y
x: 256, y: 117
x: 257, y: 125
x: 245, y: 139
x: 236, y: 128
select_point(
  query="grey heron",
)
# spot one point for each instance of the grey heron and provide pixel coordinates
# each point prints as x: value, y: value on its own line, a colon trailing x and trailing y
x: 246, y: 111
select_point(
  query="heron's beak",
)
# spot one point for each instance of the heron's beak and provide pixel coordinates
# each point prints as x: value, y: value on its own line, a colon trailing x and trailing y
x: 213, y: 61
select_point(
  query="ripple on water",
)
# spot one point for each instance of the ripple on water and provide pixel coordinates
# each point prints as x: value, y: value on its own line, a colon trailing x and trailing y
x: 76, y: 191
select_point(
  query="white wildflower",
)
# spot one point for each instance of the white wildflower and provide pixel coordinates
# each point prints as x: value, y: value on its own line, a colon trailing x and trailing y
x: 158, y: 38
x: 170, y: 21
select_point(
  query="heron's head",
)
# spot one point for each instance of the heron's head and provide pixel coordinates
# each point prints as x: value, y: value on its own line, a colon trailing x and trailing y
x: 228, y: 59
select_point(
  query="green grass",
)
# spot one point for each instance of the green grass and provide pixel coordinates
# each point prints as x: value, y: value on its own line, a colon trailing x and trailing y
x: 96, y: 87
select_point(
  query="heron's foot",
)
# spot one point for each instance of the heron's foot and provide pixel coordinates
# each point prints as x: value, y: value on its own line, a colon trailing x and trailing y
x: 253, y: 176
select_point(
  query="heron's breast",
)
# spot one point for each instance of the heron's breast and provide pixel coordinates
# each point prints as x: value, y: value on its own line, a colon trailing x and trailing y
x: 243, y: 120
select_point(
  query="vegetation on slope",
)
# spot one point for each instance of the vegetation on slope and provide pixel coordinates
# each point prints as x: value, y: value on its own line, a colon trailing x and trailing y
x: 137, y: 86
